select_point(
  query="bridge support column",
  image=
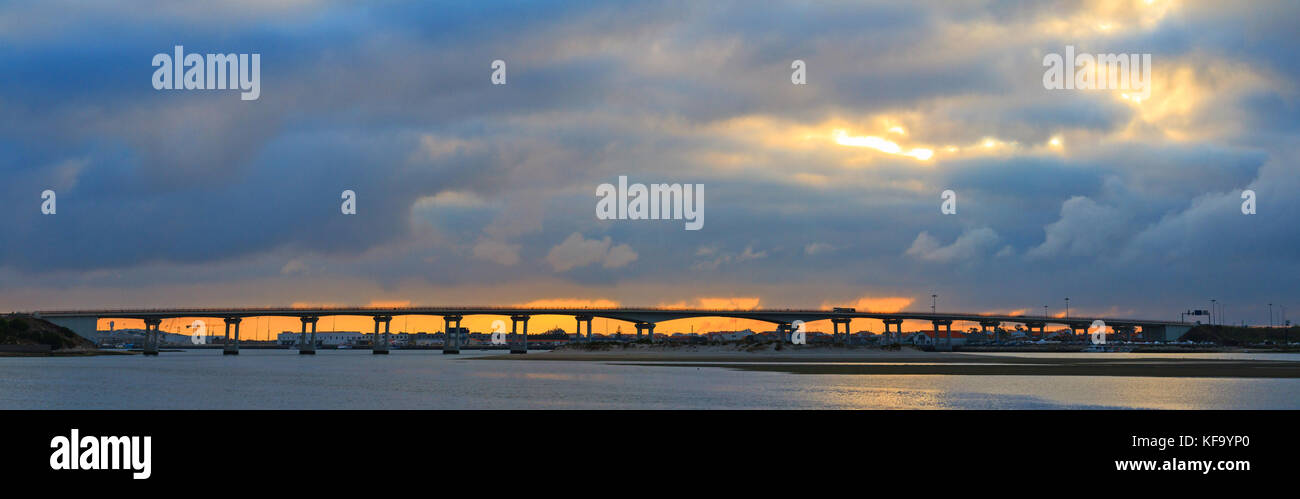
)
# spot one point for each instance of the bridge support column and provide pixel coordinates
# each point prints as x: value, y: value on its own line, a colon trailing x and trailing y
x: 783, y: 331
x: 151, y: 339
x: 581, y: 319
x: 649, y: 328
x: 228, y: 347
x: 947, y: 341
x: 451, y: 326
x: 577, y: 335
x: 984, y: 328
x: 307, y: 344
x: 520, y: 341
x: 835, y: 325
x: 1125, y: 332
x: 897, y: 334
x: 379, y: 345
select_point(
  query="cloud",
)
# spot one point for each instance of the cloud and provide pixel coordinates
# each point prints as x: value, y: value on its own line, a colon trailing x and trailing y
x: 569, y: 303
x: 717, y: 303
x: 497, y: 251
x: 714, y: 257
x: 882, y: 304
x: 1084, y: 229
x: 818, y: 248
x: 577, y: 251
x: 197, y: 197
x: 971, y: 244
x: 294, y: 266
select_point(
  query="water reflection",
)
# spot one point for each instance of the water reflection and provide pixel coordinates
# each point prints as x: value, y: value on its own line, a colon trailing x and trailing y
x: 278, y: 379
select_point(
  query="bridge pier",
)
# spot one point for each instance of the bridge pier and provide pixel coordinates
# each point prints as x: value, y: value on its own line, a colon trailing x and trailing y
x: 379, y: 345
x: 151, y: 339
x: 1074, y: 331
x: 783, y: 331
x: 1125, y: 332
x: 984, y: 328
x: 835, y: 327
x: 229, y: 348
x: 581, y: 319
x: 307, y: 345
x: 1042, y: 329
x: 519, y: 342
x: 649, y: 328
x: 451, y: 333
x: 947, y: 340
x: 897, y: 335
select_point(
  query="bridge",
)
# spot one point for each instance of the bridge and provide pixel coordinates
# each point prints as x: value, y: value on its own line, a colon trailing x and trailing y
x: 85, y: 322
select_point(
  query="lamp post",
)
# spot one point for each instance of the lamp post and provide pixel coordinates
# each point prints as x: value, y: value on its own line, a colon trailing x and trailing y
x: 1067, y: 307
x: 934, y: 301
x: 1212, y: 310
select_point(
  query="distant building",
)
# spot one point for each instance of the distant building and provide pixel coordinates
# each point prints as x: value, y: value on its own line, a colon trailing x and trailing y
x: 729, y: 335
x: 331, y: 338
x: 925, y: 338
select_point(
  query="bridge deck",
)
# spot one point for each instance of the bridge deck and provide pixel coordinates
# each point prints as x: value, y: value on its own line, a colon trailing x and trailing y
x: 633, y: 314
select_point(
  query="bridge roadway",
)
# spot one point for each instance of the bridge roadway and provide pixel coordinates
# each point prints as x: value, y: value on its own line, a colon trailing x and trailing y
x: 84, y: 322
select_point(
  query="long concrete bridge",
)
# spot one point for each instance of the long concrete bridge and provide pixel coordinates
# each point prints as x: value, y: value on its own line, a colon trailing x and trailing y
x: 85, y: 322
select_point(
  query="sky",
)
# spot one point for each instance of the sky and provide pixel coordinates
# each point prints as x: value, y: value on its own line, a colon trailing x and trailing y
x: 816, y: 195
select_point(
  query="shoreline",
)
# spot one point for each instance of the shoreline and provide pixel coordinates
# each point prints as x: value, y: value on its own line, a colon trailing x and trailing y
x: 78, y: 353
x: 848, y: 361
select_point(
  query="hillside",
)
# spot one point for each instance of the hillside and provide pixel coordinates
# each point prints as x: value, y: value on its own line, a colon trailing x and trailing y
x: 1242, y: 336
x: 22, y: 330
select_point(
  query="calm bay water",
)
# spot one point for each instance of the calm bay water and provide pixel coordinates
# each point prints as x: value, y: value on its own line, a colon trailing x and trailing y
x: 282, y: 379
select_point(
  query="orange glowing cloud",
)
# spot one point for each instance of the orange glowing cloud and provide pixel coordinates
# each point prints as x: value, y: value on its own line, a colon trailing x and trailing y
x: 1013, y: 312
x: 882, y: 304
x: 569, y: 303
x: 390, y: 303
x: 717, y: 303
x: 305, y: 304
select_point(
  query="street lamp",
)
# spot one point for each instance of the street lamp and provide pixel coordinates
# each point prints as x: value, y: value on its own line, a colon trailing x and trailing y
x: 934, y: 301
x: 1044, y: 311
x: 1067, y: 307
x: 1212, y: 310
x: 1270, y: 315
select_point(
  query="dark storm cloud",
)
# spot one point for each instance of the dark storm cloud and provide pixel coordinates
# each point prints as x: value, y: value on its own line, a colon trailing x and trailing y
x: 461, y: 182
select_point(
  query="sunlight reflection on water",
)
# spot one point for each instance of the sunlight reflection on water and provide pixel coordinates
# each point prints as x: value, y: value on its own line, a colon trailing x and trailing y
x: 281, y: 379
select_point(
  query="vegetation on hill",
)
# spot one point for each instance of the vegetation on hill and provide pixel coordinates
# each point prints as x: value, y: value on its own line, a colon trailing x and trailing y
x: 26, y: 330
x: 1242, y: 336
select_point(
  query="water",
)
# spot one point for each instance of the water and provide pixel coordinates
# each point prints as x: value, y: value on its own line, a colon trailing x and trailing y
x: 282, y: 379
